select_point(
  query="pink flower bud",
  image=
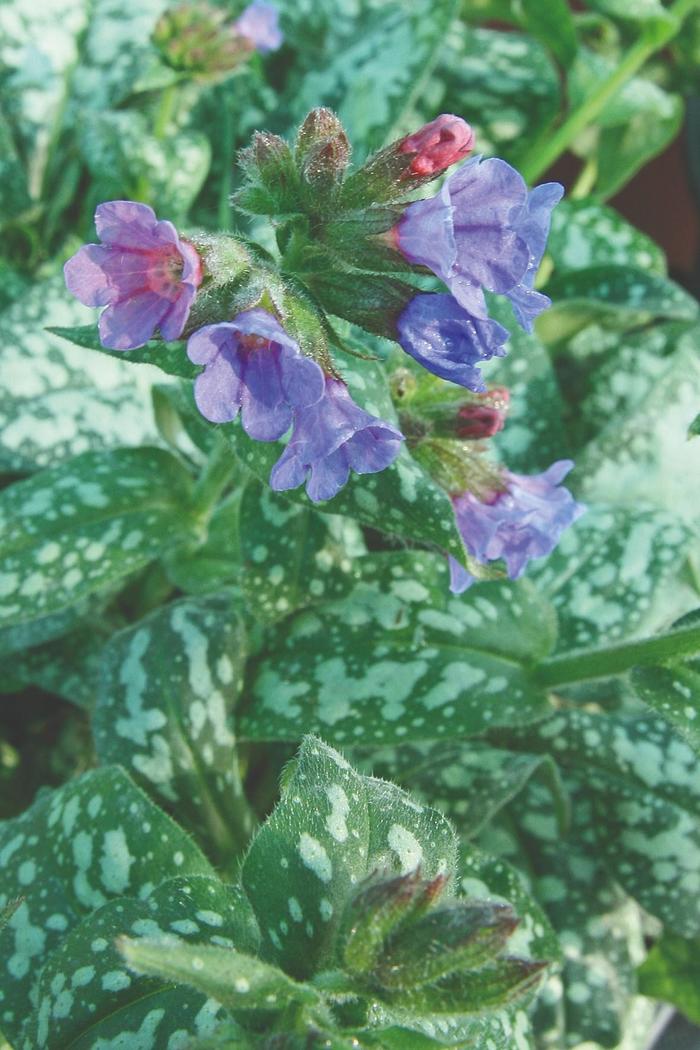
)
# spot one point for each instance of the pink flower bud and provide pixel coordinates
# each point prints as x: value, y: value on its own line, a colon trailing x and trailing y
x: 438, y: 145
x: 484, y: 418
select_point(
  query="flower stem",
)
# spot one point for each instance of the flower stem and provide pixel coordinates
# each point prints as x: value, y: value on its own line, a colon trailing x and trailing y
x: 549, y: 146
x: 611, y: 660
x: 217, y: 474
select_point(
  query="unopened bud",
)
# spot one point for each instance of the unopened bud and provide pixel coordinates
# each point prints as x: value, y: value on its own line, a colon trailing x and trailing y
x: 409, y: 162
x: 437, y: 145
x: 484, y: 417
x: 377, y: 909
x: 194, y: 38
x: 496, y: 985
x: 272, y: 180
x: 461, y: 936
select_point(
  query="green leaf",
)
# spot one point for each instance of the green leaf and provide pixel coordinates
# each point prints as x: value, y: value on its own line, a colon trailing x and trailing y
x: 216, y: 562
x: 169, y: 357
x: 551, y: 22
x: 643, y: 457
x: 503, y: 82
x: 86, y: 994
x: 623, y: 150
x: 642, y: 11
x: 401, y: 659
x: 237, y: 980
x: 674, y: 693
x: 40, y: 45
x: 612, y: 296
x: 402, y: 499
x: 120, y: 149
x: 58, y: 400
x: 21, y: 637
x: 613, y: 574
x: 68, y: 666
x: 534, y: 435
x: 65, y: 864
x: 114, y: 51
x: 694, y: 428
x: 670, y: 972
x: 598, y: 926
x: 467, y: 782
x: 636, y: 124
x: 167, y: 687
x: 292, y: 556
x: 584, y: 234
x: 368, y: 75
x: 645, y: 791
x: 331, y: 829
x: 76, y: 528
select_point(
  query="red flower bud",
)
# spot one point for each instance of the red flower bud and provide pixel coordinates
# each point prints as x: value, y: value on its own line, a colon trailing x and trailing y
x: 438, y: 145
x: 483, y: 418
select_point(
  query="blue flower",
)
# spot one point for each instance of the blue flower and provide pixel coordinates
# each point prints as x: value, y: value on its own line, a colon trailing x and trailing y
x: 522, y: 521
x: 331, y: 437
x: 259, y: 23
x: 483, y: 231
x: 449, y: 342
x: 251, y: 365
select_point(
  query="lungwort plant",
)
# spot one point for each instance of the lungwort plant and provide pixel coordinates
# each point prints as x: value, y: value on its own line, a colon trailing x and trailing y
x: 341, y: 709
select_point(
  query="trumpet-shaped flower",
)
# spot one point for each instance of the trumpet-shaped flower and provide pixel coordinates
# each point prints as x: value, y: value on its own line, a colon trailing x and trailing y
x: 143, y: 272
x: 253, y: 367
x: 522, y: 521
x: 331, y: 437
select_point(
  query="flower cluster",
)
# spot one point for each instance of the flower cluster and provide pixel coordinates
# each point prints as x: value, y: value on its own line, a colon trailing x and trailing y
x: 484, y: 231
x: 147, y: 276
x: 266, y: 355
x: 197, y: 40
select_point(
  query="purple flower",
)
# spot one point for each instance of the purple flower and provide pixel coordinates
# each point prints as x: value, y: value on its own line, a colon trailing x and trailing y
x: 523, y: 521
x: 144, y: 274
x: 534, y: 227
x: 331, y: 437
x: 252, y: 366
x: 449, y: 342
x: 481, y: 231
x: 259, y: 24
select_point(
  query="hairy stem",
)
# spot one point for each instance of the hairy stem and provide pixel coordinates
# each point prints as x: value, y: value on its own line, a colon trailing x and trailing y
x: 549, y: 146
x: 611, y: 660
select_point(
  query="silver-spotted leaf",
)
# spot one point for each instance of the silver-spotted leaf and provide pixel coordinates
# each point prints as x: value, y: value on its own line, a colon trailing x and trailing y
x: 292, y: 556
x: 331, y: 829
x: 401, y: 659
x: 57, y: 400
x: 167, y: 688
x: 87, y: 994
x: 76, y: 528
x: 614, y: 574
x: 97, y: 838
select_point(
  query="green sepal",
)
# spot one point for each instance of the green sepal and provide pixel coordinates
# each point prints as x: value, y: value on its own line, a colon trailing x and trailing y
x: 460, y: 936
x: 473, y: 991
x: 379, y: 907
x: 273, y: 185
